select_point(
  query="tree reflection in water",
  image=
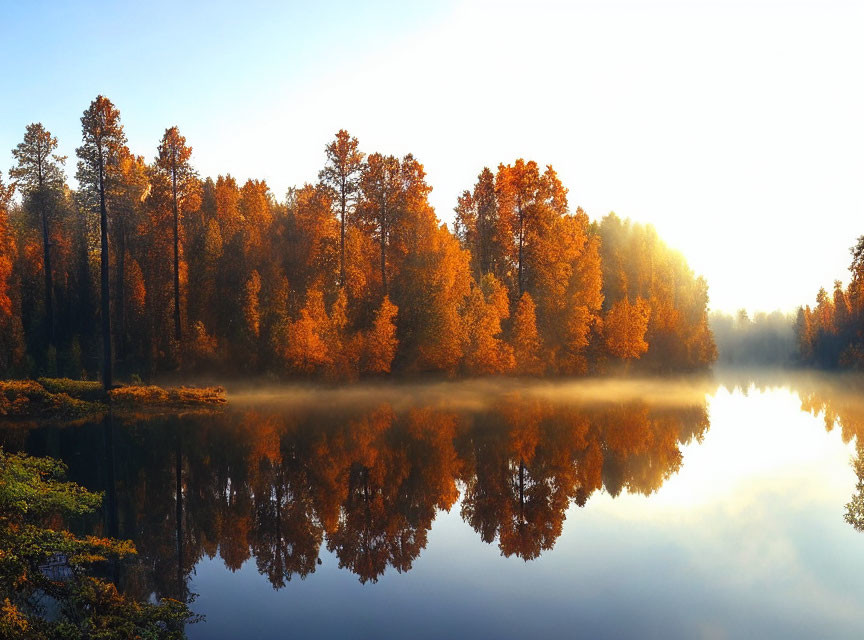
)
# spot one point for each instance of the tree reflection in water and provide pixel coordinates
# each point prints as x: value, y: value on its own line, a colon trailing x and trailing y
x: 277, y: 485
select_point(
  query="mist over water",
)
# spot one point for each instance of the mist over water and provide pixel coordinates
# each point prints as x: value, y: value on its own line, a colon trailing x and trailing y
x: 476, y: 394
x: 693, y: 506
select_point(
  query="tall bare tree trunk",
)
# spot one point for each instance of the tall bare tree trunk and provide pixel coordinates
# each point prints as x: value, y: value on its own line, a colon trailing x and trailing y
x: 120, y: 293
x: 107, y: 380
x: 178, y: 333
x: 342, y: 240
x: 521, y: 236
x: 384, y: 251
x: 46, y: 258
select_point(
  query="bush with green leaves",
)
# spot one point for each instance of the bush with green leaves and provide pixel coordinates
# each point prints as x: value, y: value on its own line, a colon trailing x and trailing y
x: 37, y: 604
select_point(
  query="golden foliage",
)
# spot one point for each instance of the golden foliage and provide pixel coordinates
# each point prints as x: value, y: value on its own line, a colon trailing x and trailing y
x: 310, y: 285
x: 250, y: 304
x: 379, y: 343
x: 525, y: 339
x: 307, y: 351
x: 153, y: 396
x: 624, y: 328
x: 485, y: 351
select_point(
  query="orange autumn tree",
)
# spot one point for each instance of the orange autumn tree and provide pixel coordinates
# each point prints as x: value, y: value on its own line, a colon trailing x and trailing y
x: 525, y: 339
x: 39, y: 176
x: 126, y: 192
x: 353, y: 275
x: 569, y: 291
x: 422, y: 268
x: 378, y: 344
x: 341, y: 175
x: 251, y: 304
x: 306, y: 351
x: 7, y: 249
x: 11, y: 334
x: 624, y: 328
x: 487, y: 307
x: 478, y: 227
x: 172, y: 162
x: 104, y: 142
x: 637, y: 264
x: 312, y: 239
x: 524, y: 234
x: 430, y: 293
x: 381, y: 198
x: 831, y: 335
x: 148, y: 240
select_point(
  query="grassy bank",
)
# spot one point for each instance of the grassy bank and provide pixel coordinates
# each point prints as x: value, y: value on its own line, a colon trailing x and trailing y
x: 64, y: 398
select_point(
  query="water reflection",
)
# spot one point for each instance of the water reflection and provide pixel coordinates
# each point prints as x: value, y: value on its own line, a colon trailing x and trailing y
x: 837, y: 399
x: 278, y: 485
x: 282, y: 483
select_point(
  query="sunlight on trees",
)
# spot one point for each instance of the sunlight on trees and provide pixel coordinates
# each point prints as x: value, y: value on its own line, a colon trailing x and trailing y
x: 351, y: 276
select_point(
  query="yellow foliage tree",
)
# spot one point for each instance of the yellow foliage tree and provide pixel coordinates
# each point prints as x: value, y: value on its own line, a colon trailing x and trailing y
x: 379, y: 343
x: 11, y: 333
x: 525, y: 339
x: 7, y: 250
x: 485, y: 351
x: 307, y: 351
x: 251, y: 304
x: 624, y: 328
x: 343, y: 365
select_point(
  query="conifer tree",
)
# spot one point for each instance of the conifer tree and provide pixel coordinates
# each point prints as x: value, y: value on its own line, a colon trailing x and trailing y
x: 341, y: 174
x: 172, y: 161
x: 39, y: 175
x: 103, y: 144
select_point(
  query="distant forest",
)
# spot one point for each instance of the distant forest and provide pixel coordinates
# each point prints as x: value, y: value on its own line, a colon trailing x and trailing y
x: 831, y: 334
x: 147, y: 267
x: 766, y: 339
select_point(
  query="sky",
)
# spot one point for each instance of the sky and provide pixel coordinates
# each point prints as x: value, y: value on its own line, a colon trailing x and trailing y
x: 735, y: 127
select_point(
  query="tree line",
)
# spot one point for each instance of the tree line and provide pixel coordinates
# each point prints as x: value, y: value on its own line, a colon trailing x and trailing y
x: 761, y: 340
x: 830, y: 335
x: 148, y: 267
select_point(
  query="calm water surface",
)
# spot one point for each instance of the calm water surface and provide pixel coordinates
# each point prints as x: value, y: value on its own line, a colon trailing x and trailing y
x: 668, y: 508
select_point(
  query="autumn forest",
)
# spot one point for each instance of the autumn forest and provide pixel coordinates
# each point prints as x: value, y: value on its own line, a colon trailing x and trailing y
x: 148, y: 267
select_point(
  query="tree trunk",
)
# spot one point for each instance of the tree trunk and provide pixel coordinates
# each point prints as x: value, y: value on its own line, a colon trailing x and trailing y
x: 521, y: 236
x: 178, y: 334
x: 46, y: 259
x: 120, y: 294
x: 384, y: 253
x: 107, y: 380
x: 342, y: 241
x: 482, y: 238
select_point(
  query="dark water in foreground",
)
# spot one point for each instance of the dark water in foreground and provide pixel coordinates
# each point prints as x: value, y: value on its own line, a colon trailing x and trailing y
x: 687, y: 508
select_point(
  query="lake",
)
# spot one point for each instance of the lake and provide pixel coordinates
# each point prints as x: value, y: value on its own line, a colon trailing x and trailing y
x: 709, y: 506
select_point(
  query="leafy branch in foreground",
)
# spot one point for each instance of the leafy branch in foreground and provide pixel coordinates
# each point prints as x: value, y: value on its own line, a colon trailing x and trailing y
x: 45, y: 589
x: 855, y: 508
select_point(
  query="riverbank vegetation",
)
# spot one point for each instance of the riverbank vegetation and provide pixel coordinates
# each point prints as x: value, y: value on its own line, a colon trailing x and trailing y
x: 147, y: 267
x: 47, y: 573
x: 64, y: 399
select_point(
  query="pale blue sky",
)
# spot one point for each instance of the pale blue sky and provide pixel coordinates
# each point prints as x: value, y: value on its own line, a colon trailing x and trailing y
x: 736, y: 127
